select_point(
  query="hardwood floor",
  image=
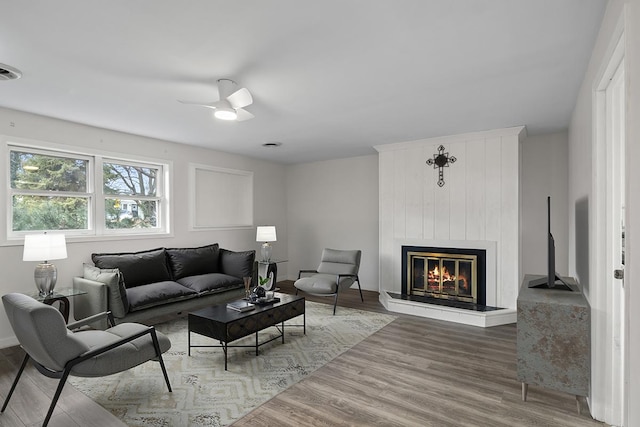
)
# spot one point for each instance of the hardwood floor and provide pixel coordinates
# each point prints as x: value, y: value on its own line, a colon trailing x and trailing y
x: 418, y: 372
x: 32, y: 397
x: 413, y: 372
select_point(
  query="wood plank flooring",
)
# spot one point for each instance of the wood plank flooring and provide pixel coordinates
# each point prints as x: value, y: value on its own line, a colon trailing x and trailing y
x: 413, y: 372
x: 418, y: 372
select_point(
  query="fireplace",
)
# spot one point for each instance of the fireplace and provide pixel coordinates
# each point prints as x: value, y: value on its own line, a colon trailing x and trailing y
x: 454, y: 274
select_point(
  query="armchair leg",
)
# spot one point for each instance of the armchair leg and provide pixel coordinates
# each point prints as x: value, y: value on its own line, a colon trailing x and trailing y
x: 15, y: 382
x: 56, y: 396
x: 156, y: 346
x: 164, y: 372
x: 335, y: 302
x: 359, y: 288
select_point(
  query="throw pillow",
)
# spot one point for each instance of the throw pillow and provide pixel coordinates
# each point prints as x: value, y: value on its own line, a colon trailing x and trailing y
x: 237, y: 264
x: 137, y: 268
x: 111, y: 277
x: 185, y: 262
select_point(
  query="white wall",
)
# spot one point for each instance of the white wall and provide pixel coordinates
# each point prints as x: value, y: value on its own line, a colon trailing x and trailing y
x: 333, y: 204
x: 269, y: 200
x: 544, y: 172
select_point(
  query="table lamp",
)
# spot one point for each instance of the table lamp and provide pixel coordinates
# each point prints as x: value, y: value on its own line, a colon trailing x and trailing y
x: 266, y: 234
x: 39, y: 247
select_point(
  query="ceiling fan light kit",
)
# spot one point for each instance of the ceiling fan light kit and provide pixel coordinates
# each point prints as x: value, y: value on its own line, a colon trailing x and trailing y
x: 224, y: 113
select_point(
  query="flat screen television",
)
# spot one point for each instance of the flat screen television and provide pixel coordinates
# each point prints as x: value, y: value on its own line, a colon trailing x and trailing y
x: 553, y: 280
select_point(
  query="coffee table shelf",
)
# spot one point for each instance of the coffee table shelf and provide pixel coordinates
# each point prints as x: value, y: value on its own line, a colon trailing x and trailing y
x: 226, y: 325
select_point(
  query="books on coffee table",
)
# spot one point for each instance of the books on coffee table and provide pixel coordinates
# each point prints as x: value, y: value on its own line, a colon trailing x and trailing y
x: 240, y: 305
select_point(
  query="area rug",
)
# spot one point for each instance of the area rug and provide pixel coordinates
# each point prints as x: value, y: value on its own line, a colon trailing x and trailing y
x: 204, y: 394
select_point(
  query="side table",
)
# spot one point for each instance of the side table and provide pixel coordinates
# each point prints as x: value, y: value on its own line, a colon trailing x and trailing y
x: 62, y: 296
x: 267, y: 269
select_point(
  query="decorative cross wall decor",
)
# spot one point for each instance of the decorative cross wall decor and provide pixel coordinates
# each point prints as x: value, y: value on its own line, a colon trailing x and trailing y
x: 441, y: 160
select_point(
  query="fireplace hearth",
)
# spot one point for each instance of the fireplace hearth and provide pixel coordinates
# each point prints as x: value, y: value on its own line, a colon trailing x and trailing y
x: 454, y: 275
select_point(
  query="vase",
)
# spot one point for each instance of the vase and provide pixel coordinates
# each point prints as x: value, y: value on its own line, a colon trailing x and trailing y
x: 247, y: 287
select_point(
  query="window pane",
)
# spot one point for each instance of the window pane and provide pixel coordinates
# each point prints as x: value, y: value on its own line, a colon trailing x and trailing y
x: 129, y: 180
x: 31, y: 171
x: 129, y: 214
x: 49, y: 213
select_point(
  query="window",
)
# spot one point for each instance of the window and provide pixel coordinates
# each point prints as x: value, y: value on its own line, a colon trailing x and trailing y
x: 48, y: 192
x: 131, y: 195
x: 51, y: 190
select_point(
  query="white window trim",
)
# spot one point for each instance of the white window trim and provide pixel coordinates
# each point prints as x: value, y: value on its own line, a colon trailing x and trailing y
x: 159, y: 197
x: 97, y: 231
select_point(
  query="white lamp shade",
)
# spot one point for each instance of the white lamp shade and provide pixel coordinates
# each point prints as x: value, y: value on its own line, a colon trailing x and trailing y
x: 44, y: 247
x: 266, y: 233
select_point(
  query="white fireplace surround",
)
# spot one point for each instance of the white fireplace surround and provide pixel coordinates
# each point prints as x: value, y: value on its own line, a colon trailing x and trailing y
x: 474, y: 318
x: 478, y: 207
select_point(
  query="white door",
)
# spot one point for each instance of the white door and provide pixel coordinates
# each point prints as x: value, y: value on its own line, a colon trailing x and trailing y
x: 607, y: 287
x: 615, y: 236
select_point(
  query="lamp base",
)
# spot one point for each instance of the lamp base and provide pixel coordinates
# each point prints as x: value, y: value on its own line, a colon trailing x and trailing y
x: 265, y: 251
x: 45, y: 276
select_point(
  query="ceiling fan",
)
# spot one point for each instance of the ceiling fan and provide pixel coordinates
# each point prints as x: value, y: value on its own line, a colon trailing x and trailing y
x: 231, y: 102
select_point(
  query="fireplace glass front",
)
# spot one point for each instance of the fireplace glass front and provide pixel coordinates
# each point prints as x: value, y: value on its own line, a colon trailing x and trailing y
x: 455, y: 274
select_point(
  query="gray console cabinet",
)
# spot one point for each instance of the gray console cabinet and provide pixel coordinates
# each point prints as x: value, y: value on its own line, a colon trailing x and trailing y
x: 554, y: 339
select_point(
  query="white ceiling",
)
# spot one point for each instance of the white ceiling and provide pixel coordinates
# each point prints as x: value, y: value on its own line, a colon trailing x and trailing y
x: 329, y: 78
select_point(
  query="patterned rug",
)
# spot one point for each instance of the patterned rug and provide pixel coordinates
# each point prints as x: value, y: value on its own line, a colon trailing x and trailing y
x: 204, y: 394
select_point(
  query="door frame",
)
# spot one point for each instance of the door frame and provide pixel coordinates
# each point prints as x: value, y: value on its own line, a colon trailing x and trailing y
x: 608, y: 368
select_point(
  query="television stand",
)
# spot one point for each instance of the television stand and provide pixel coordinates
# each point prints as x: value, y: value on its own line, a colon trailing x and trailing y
x: 553, y: 340
x: 543, y: 283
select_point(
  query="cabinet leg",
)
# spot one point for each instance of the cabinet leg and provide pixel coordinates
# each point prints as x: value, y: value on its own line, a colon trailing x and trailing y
x: 525, y: 389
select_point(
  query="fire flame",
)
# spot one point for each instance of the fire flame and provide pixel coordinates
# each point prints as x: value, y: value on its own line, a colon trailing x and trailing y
x: 434, y: 276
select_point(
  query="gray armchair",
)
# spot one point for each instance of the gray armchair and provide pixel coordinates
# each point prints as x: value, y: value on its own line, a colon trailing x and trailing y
x: 57, y: 351
x: 338, y: 269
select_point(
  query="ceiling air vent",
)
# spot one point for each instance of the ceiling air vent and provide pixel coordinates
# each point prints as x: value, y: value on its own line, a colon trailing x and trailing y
x: 9, y: 73
x: 272, y: 144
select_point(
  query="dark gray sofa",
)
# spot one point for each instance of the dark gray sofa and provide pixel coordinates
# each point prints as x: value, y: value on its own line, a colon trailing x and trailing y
x: 137, y: 286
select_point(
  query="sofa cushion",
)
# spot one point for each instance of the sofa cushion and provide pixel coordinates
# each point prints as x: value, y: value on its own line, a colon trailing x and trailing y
x: 151, y: 295
x: 211, y: 282
x: 185, y: 262
x: 237, y: 264
x: 119, y: 305
x: 137, y: 268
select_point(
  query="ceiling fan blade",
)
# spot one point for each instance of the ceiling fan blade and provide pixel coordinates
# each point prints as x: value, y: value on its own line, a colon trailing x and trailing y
x: 243, y: 115
x: 215, y: 104
x: 240, y: 98
x: 199, y: 104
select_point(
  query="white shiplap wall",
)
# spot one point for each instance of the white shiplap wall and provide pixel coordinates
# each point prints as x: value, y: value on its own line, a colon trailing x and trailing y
x: 479, y: 202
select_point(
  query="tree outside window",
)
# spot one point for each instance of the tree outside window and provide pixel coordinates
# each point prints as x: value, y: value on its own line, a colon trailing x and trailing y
x: 131, y: 196
x: 48, y: 192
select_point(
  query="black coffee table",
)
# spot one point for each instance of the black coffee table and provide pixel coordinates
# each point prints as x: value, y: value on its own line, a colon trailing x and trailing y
x: 227, y: 325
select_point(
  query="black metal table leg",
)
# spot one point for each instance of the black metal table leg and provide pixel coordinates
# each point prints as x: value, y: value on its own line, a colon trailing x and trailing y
x: 225, y: 356
x: 256, y: 343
